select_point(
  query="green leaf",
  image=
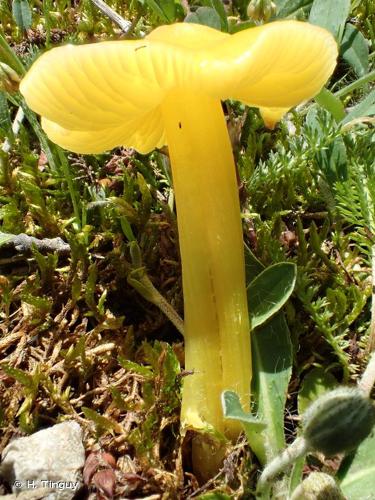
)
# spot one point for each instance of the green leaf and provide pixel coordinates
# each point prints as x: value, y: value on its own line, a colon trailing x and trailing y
x: 287, y: 8
x: 101, y: 423
x: 126, y: 228
x: 364, y: 80
x: 269, y: 291
x: 26, y: 379
x: 296, y: 475
x: 357, y: 472
x: 118, y: 400
x: 364, y: 108
x: 22, y: 14
x: 28, y: 423
x: 316, y: 383
x: 331, y: 103
x: 91, y: 287
x: 42, y: 304
x: 169, y: 9
x: 214, y: 496
x: 253, y: 266
x: 232, y: 409
x: 206, y: 16
x: 170, y: 370
x: 47, y: 265
x: 331, y: 15
x: 55, y: 154
x: 165, y: 9
x: 272, y: 358
x: 77, y: 350
x: 219, y: 7
x: 8, y: 57
x: 4, y: 237
x: 251, y: 425
x: 234, y: 26
x: 47, y: 147
x: 156, y: 8
x: 145, y: 206
x: 145, y: 371
x: 5, y: 121
x: 354, y: 50
x: 333, y: 161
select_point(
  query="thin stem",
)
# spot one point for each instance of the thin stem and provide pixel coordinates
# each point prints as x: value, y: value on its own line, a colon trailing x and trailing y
x: 297, y: 449
x: 6, y: 147
x: 370, y: 219
x: 168, y: 310
x: 139, y: 280
x: 71, y: 187
x: 32, y: 119
x: 367, y: 381
x: 142, y: 283
x: 355, y: 85
x: 217, y: 343
x: 113, y: 15
x: 371, y: 340
x: 8, y: 56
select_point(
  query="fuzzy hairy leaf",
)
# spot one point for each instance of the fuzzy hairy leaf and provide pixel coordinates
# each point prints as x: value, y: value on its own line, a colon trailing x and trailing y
x: 357, y: 471
x: 219, y: 7
x: 330, y: 14
x: 269, y: 291
x: 22, y: 13
x: 316, y: 383
x: 364, y: 108
x: 354, y: 50
x: 287, y: 8
x: 251, y: 425
x: 233, y: 410
x: 272, y: 357
x: 206, y: 16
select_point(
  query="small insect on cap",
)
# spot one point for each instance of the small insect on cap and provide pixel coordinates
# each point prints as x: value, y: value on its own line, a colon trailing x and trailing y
x: 95, y: 97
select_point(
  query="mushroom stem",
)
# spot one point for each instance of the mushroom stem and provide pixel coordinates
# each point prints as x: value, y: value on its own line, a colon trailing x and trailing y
x: 217, y: 340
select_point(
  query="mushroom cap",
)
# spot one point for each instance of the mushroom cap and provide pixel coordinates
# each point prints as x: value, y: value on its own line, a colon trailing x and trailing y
x: 98, y: 96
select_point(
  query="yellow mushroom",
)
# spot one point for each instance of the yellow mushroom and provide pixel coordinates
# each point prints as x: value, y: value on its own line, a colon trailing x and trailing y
x: 166, y: 89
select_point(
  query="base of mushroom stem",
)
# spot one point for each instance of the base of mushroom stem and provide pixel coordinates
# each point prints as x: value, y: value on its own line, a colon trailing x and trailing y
x: 208, y: 453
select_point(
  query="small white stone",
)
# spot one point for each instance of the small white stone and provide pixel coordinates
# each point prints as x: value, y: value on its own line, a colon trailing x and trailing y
x: 52, y: 458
